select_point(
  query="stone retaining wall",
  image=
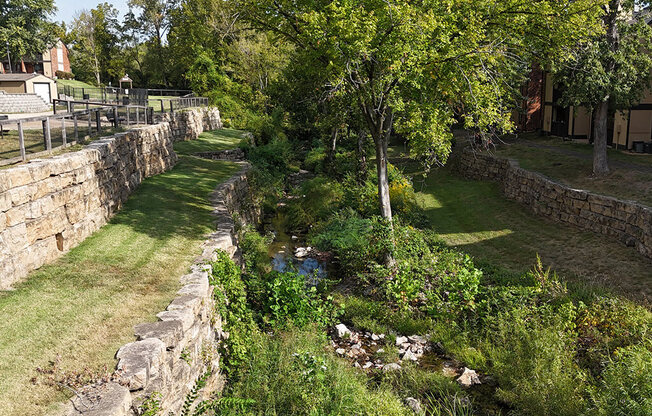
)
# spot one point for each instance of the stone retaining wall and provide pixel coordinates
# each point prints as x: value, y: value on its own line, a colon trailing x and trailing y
x: 627, y: 221
x: 170, y: 356
x: 49, y: 206
x: 189, y: 124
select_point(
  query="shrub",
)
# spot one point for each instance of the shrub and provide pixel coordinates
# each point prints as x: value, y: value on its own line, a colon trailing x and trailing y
x: 290, y: 374
x: 533, y: 364
x: 320, y: 198
x: 231, y: 304
x: 64, y: 75
x: 314, y: 160
x: 626, y: 386
x: 289, y: 302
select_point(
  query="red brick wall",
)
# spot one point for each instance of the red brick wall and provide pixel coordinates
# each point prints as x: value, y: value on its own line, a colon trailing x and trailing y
x: 55, y: 59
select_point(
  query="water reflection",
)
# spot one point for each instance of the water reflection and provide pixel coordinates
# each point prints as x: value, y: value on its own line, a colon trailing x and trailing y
x: 313, y: 269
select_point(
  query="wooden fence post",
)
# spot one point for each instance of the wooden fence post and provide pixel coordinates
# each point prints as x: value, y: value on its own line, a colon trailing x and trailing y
x: 76, y: 128
x: 48, y: 138
x: 63, y: 131
x: 128, y: 115
x: 98, y: 122
x: 21, y: 141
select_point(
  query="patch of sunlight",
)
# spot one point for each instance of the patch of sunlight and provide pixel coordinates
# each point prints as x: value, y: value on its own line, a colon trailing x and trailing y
x: 428, y: 201
x: 460, y: 239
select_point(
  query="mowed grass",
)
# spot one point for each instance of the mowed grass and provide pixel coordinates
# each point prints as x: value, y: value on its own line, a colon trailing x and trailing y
x: 84, y: 306
x: 554, y: 161
x: 475, y: 217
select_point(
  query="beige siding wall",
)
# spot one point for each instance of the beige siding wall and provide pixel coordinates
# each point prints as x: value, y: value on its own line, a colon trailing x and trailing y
x: 547, y: 109
x: 580, y: 123
x: 13, y: 87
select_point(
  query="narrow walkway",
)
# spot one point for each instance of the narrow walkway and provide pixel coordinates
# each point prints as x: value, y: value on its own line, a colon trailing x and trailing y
x: 83, y: 307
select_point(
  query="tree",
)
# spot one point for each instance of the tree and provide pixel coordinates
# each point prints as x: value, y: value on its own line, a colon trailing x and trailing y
x: 155, y: 22
x: 416, y: 66
x: 610, y: 70
x: 93, y: 42
x: 25, y: 27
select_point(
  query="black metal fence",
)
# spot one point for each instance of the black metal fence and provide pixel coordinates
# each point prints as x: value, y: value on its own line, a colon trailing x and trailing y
x: 171, y: 105
x: 162, y: 92
x: 135, y: 96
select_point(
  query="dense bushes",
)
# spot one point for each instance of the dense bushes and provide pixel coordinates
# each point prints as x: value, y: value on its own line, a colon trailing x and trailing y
x: 550, y: 349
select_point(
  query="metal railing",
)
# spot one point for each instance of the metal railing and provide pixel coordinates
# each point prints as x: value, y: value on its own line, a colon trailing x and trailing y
x: 137, y: 96
x: 27, y: 138
x: 163, y: 92
x: 174, y: 104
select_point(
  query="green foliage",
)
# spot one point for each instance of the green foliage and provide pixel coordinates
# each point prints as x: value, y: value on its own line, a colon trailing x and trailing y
x: 151, y: 406
x: 289, y: 302
x: 25, y: 28
x: 536, y: 374
x: 190, y: 399
x: 319, y: 198
x: 606, y: 69
x: 255, y: 254
x: 626, y: 385
x: 364, y: 197
x: 231, y: 304
x: 292, y: 375
x: 64, y: 75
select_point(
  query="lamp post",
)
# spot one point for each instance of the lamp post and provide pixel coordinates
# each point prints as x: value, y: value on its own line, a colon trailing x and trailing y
x: 9, y: 58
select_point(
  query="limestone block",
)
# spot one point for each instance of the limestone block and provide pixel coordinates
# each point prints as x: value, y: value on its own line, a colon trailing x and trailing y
x: 191, y: 302
x: 20, y: 195
x: 200, y: 289
x: 16, y: 215
x: 39, y: 170
x: 139, y: 361
x: 185, y: 316
x: 109, y: 399
x: 18, y: 176
x: 170, y: 332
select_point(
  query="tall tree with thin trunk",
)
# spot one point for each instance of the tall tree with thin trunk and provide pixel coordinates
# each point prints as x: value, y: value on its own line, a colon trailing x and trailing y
x: 413, y: 66
x: 610, y: 71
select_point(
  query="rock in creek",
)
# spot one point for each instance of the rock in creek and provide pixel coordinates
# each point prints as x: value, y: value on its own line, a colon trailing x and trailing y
x: 414, y: 404
x: 468, y: 378
x: 341, y: 330
x: 391, y: 367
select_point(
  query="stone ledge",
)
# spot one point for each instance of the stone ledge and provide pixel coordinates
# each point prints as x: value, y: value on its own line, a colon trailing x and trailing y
x: 167, y: 356
x: 627, y: 221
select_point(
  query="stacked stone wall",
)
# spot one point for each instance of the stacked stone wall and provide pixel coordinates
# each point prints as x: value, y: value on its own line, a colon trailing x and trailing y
x: 189, y: 124
x: 170, y: 356
x: 49, y: 206
x: 626, y: 221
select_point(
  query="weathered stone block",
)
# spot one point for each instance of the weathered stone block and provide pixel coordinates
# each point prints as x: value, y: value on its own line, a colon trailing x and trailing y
x: 139, y: 361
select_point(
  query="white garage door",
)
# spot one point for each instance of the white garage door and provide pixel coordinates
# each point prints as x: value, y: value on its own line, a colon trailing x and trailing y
x: 43, y: 89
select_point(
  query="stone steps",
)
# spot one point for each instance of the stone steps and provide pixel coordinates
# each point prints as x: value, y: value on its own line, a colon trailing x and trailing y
x: 22, y: 103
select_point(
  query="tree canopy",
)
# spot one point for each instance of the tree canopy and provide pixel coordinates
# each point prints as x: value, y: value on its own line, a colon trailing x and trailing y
x: 26, y: 27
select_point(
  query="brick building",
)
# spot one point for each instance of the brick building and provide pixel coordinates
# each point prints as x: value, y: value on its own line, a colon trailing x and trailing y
x: 48, y: 63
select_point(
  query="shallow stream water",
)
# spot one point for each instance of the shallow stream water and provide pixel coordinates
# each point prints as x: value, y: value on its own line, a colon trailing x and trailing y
x: 282, y: 251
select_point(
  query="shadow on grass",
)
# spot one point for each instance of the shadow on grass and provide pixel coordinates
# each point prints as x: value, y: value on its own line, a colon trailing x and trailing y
x: 475, y: 217
x: 176, y: 202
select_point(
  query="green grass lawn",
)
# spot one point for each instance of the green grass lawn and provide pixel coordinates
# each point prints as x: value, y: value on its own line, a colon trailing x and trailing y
x: 475, y: 217
x: 622, y: 182
x: 74, y: 83
x: 83, y: 307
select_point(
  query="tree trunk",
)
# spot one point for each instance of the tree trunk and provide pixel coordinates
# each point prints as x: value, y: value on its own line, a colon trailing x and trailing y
x: 362, y: 157
x: 332, y: 146
x: 600, y: 160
